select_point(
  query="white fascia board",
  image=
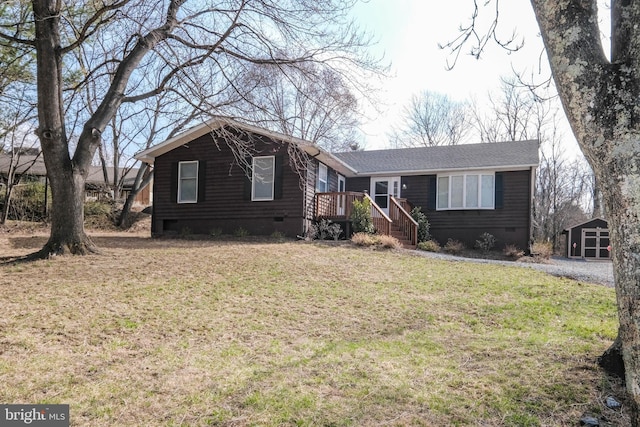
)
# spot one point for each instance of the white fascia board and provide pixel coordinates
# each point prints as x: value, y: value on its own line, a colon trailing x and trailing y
x: 149, y: 155
x: 189, y: 135
x: 449, y: 170
x: 328, y: 159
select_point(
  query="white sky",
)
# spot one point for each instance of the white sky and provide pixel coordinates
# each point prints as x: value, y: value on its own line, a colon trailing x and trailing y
x: 408, y: 33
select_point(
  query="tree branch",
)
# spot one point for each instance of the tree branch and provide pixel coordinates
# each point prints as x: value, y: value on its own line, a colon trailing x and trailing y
x: 87, y: 29
x: 479, y: 40
x: 90, y: 135
x: 17, y: 40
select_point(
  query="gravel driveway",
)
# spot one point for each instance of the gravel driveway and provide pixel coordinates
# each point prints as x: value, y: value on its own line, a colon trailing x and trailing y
x: 599, y: 272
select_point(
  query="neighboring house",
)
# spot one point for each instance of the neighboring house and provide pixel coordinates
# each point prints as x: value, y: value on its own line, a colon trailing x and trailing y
x: 32, y: 167
x: 589, y: 240
x: 96, y: 188
x: 204, y: 183
x: 28, y: 165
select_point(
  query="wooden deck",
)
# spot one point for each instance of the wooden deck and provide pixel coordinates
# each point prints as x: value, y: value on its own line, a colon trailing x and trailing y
x: 338, y: 206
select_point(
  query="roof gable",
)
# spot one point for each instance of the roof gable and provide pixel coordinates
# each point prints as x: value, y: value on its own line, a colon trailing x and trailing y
x: 596, y: 222
x: 191, y: 134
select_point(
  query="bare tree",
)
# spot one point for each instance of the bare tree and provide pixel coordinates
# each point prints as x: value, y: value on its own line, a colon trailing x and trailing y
x: 187, y: 47
x: 17, y: 60
x: 600, y: 95
x: 562, y: 189
x: 135, y: 126
x: 17, y: 110
x: 433, y: 119
x: 514, y: 113
x: 17, y: 143
x: 562, y: 182
x: 310, y: 102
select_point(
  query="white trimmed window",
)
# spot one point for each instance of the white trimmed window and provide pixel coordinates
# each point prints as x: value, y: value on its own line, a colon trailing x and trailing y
x: 188, y: 182
x: 322, y: 186
x: 466, y: 191
x: 263, y: 178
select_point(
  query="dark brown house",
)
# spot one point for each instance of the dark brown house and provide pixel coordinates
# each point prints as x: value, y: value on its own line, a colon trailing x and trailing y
x: 465, y: 190
x: 205, y: 180
x: 224, y: 176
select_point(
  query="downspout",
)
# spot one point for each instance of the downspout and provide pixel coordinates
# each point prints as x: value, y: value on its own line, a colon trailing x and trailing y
x: 531, y: 202
x: 305, y: 203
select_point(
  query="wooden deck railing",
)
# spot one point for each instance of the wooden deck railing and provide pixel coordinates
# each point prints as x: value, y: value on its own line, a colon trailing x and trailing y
x: 381, y: 222
x: 339, y: 205
x: 404, y: 203
x: 403, y: 220
x: 335, y: 205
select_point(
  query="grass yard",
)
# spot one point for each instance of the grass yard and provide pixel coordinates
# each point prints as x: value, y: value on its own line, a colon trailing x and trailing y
x: 241, y: 333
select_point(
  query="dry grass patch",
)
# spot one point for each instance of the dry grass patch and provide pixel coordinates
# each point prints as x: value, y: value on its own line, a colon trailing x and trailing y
x: 376, y: 240
x: 177, y: 332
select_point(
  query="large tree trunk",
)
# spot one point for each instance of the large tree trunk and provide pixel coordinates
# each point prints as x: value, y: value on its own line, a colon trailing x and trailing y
x: 600, y: 97
x: 66, y: 176
x: 67, y: 216
x: 621, y: 196
x: 611, y: 360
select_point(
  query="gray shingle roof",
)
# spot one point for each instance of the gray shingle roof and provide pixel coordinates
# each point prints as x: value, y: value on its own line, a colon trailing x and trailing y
x: 517, y: 154
x: 35, y: 164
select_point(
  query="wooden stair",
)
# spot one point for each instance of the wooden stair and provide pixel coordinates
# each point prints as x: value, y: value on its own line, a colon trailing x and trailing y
x: 398, y: 234
x: 337, y: 206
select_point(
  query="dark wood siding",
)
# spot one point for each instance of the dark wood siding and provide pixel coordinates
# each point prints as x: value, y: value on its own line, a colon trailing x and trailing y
x: 223, y: 183
x: 509, y: 224
x: 416, y: 190
x: 360, y: 184
x: 333, y: 180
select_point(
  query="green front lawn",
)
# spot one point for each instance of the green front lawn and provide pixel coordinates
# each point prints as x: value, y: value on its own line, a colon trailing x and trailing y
x: 173, y: 332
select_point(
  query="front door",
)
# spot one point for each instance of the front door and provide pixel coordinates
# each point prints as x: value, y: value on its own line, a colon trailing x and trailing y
x: 382, y: 188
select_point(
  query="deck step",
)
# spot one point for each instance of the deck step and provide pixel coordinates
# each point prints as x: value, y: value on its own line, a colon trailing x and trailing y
x: 395, y: 232
x: 398, y: 235
x: 405, y: 243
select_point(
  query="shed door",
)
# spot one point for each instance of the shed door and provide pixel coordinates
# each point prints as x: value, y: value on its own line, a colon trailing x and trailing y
x: 595, y: 243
